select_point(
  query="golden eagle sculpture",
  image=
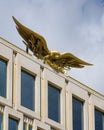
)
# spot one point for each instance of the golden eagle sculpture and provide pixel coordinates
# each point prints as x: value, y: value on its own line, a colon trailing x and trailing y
x: 61, y: 62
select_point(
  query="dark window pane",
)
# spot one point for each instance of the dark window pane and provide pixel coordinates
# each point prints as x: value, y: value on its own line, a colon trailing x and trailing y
x: 30, y: 127
x: 77, y: 114
x: 98, y: 120
x: 24, y: 126
x: 27, y: 90
x: 13, y: 124
x: 1, y: 121
x: 53, y: 103
x: 3, y: 69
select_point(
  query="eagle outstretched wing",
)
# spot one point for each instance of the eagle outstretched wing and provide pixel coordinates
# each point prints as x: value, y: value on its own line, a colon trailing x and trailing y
x: 35, y: 42
x: 64, y: 61
x: 69, y: 60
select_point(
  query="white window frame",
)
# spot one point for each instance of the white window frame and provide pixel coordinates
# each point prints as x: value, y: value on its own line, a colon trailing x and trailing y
x: 6, y: 54
x: 95, y: 102
x: 57, y: 81
x: 75, y: 89
x: 33, y: 68
x: 9, y: 112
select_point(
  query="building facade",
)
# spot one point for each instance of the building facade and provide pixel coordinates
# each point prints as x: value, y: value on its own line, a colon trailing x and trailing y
x: 35, y: 97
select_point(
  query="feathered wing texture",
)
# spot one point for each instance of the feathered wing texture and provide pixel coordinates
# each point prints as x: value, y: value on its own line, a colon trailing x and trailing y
x: 35, y: 42
x: 69, y: 60
x: 62, y: 61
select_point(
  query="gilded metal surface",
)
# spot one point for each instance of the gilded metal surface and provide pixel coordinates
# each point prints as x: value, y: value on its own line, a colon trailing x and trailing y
x: 61, y: 62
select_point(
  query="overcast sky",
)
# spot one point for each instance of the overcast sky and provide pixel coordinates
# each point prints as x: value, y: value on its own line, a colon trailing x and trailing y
x: 75, y: 26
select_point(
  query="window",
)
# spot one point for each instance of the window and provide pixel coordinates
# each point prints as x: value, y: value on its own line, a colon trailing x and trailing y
x: 77, y: 114
x: 27, y: 90
x: 13, y: 124
x: 24, y: 126
x: 30, y: 127
x: 1, y: 121
x: 27, y: 126
x: 3, y: 68
x: 53, y: 103
x: 98, y: 120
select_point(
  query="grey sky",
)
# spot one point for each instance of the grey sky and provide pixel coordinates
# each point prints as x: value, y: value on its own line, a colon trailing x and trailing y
x: 75, y: 26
